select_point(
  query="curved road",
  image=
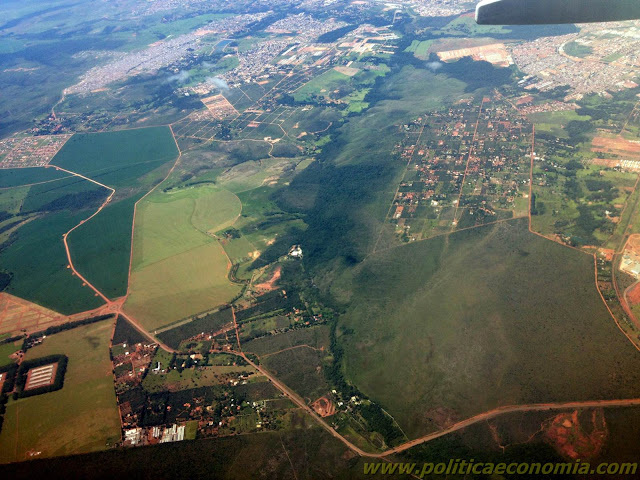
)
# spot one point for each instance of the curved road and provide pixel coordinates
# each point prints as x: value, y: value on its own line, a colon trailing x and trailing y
x: 116, y: 307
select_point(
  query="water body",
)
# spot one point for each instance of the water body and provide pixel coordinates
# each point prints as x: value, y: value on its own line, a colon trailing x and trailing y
x: 222, y: 44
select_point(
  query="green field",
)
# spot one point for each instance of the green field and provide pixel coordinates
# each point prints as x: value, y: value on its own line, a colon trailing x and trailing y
x: 420, y: 49
x: 317, y: 337
x: 82, y: 417
x: 179, y: 269
x: 6, y: 350
x: 299, y: 369
x: 575, y: 49
x: 253, y: 174
x: 38, y: 262
x: 321, y: 85
x: 554, y: 122
x: 120, y: 158
x: 487, y: 317
x: 192, y: 378
x: 129, y: 161
x: 101, y: 247
x: 172, y: 223
x: 466, y: 26
x: 14, y: 177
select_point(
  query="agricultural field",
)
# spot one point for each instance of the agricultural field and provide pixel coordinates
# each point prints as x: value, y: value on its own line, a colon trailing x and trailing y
x: 420, y: 48
x: 38, y: 262
x: 208, y: 322
x: 16, y: 177
x: 118, y: 159
x: 82, y: 416
x: 491, y: 306
x: 179, y: 268
x: 7, y: 349
x: 58, y: 201
x: 322, y: 85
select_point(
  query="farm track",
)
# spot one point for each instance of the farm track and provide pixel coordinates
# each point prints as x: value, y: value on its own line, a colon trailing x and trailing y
x: 116, y: 307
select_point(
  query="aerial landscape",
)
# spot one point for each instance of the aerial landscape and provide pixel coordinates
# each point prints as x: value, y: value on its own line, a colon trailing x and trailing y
x: 316, y: 239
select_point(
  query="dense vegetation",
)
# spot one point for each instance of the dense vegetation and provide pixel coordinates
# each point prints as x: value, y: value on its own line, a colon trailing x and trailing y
x: 209, y: 322
x: 126, y: 333
x: 475, y: 311
x: 25, y: 366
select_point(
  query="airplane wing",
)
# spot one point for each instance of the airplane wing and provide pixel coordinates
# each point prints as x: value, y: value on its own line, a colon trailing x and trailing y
x: 537, y: 12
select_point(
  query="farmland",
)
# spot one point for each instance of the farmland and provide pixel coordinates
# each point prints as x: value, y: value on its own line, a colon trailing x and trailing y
x: 322, y: 84
x: 131, y: 160
x: 120, y: 158
x: 15, y: 177
x: 38, y: 262
x: 554, y: 122
x: 7, y: 349
x: 449, y: 316
x: 327, y: 211
x: 420, y: 49
x: 300, y: 369
x: 179, y: 269
x: 82, y: 416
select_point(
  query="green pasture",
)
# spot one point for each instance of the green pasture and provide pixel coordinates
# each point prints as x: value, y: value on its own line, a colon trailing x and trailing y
x: 81, y: 417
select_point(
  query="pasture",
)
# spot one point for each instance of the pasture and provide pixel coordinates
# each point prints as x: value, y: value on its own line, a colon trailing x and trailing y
x: 301, y: 370
x: 171, y: 223
x: 450, y: 327
x: 7, y: 349
x: 420, y: 49
x: 321, y: 85
x: 82, y: 416
x: 179, y: 268
x: 181, y: 285
x: 553, y: 123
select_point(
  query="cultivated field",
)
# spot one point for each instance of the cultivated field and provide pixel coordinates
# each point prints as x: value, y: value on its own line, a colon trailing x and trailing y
x: 82, y: 416
x: 179, y: 286
x: 118, y: 158
x: 20, y: 315
x: 449, y: 327
x: 38, y: 262
x: 179, y: 268
x: 58, y: 201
